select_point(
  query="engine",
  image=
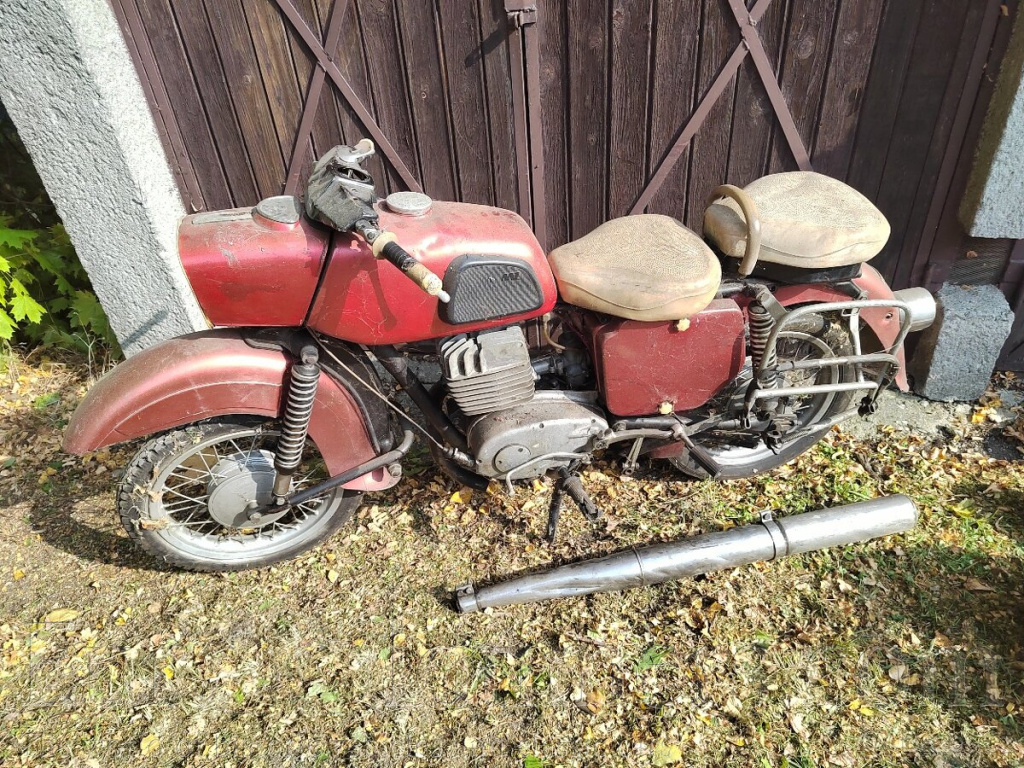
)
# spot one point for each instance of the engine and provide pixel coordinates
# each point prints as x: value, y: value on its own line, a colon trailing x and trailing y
x: 513, y: 429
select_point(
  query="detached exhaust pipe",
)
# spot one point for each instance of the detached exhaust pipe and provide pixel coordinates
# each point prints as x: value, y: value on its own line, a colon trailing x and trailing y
x: 771, y: 539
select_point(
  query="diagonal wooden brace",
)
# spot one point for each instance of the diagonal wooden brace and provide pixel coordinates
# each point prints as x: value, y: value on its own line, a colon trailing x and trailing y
x: 749, y: 44
x: 327, y: 64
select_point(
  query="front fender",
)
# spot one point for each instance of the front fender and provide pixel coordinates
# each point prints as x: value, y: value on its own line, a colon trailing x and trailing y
x: 211, y: 374
x: 883, y: 322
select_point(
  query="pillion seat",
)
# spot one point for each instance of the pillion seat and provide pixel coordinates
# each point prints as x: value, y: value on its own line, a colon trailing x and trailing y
x: 807, y: 220
x: 648, y: 267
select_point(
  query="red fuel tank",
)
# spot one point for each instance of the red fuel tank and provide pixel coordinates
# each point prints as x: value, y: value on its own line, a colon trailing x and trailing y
x: 367, y: 301
x: 254, y: 266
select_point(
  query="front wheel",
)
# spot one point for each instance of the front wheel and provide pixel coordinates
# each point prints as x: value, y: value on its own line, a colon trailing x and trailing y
x: 185, y: 495
x: 744, y: 454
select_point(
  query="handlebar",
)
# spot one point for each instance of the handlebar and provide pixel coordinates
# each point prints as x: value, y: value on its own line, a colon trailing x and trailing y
x: 384, y: 246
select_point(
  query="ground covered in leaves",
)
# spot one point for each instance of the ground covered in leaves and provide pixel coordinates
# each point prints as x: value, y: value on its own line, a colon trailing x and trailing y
x: 903, y: 652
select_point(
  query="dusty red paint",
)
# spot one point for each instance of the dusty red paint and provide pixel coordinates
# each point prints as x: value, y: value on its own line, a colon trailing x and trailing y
x: 209, y: 374
x: 884, y: 322
x: 367, y: 301
x: 247, y: 270
x: 642, y: 365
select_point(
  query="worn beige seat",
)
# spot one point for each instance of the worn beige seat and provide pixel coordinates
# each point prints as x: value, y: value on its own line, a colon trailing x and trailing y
x: 807, y: 220
x: 647, y: 267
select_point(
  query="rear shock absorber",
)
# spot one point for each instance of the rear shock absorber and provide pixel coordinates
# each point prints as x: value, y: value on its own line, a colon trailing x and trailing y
x: 761, y: 324
x: 780, y: 421
x: 304, y: 378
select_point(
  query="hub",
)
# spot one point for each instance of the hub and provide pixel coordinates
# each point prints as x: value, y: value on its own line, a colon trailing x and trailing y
x: 242, y: 482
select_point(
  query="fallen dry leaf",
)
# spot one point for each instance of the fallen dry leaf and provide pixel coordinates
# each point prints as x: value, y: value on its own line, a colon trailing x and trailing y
x: 976, y: 585
x: 149, y: 744
x: 60, y: 615
x: 666, y: 754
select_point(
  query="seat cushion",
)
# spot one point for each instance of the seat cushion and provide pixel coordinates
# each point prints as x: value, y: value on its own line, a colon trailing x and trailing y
x: 648, y: 267
x: 807, y: 220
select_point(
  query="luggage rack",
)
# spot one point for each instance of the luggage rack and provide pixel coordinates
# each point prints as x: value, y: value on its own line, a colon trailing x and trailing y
x: 886, y: 360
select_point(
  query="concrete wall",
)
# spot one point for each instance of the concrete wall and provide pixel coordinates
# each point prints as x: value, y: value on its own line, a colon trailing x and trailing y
x: 69, y: 84
x: 993, y: 205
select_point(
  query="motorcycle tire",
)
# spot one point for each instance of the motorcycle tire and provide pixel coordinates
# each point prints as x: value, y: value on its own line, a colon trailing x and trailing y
x: 741, y: 462
x: 182, y: 490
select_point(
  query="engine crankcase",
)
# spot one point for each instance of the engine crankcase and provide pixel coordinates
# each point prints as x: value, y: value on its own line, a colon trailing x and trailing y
x: 531, y: 438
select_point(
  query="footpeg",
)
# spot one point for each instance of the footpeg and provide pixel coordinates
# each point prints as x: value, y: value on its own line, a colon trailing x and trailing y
x: 569, y: 484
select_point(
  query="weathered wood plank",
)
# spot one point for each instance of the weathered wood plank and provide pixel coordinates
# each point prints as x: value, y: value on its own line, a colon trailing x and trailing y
x: 430, y: 105
x: 494, y: 34
x: 754, y: 119
x: 215, y: 96
x: 709, y: 154
x: 630, y: 70
x: 957, y: 89
x: 270, y: 42
x: 588, y: 115
x: 882, y: 99
x: 164, y: 114
x: 554, y: 58
x: 386, y: 75
x: 854, y: 44
x: 803, y: 69
x: 916, y: 124
x: 326, y: 123
x: 460, y: 38
x: 248, y: 94
x: 676, y: 43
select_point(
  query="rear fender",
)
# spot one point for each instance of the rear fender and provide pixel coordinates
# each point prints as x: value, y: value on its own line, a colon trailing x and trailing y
x: 883, y: 322
x: 211, y: 374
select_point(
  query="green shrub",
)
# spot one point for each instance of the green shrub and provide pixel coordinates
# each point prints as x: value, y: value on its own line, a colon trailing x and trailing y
x: 45, y: 295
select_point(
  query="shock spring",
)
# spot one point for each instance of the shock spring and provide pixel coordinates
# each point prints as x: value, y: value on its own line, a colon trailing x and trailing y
x: 304, y: 378
x: 761, y: 324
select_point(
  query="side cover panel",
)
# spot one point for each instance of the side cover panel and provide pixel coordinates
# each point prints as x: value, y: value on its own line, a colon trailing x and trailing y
x: 209, y: 374
x: 642, y: 365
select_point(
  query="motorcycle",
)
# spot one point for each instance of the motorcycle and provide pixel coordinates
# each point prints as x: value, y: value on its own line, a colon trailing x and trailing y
x: 723, y: 355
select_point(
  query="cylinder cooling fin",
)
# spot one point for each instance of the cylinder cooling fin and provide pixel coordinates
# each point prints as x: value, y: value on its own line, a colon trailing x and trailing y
x: 488, y: 371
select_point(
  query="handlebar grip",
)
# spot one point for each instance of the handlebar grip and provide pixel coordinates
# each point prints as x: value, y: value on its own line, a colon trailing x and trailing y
x: 414, y: 270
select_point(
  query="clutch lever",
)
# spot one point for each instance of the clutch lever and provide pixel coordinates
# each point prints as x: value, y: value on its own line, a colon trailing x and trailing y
x: 385, y: 246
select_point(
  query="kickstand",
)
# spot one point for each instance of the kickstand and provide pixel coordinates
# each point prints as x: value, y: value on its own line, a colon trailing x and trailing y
x: 569, y: 483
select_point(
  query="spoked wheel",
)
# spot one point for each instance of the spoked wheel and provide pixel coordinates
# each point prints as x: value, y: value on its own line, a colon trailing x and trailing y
x: 186, y: 496
x: 744, y: 454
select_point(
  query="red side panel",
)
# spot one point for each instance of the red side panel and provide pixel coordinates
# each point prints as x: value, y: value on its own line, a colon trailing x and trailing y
x: 204, y: 375
x: 247, y: 270
x: 884, y: 322
x: 642, y: 365
x: 367, y: 301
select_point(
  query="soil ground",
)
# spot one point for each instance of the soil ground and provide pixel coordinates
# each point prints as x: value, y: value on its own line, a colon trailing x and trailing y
x: 908, y: 651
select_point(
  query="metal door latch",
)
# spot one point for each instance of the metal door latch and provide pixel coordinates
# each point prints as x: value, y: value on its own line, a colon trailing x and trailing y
x: 521, y: 12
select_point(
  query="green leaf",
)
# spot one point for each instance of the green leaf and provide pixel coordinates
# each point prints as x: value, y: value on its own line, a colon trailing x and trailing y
x: 90, y: 312
x: 17, y: 238
x: 651, y: 658
x: 532, y: 762
x: 50, y: 261
x: 6, y: 326
x: 23, y: 306
x: 5, y: 265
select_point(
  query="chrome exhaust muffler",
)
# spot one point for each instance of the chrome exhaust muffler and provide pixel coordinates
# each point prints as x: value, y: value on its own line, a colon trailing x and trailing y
x: 770, y: 539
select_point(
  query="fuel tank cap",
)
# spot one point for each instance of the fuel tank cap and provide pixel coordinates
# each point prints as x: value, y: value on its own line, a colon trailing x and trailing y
x: 409, y: 203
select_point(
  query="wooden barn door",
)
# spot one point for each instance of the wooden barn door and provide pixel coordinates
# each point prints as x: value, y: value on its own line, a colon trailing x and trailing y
x: 247, y: 93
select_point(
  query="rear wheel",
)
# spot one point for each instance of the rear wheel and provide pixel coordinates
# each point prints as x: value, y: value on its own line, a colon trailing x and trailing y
x: 184, y: 498
x: 743, y: 453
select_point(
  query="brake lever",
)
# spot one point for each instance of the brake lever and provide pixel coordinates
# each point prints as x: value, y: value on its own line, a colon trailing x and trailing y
x: 385, y: 246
